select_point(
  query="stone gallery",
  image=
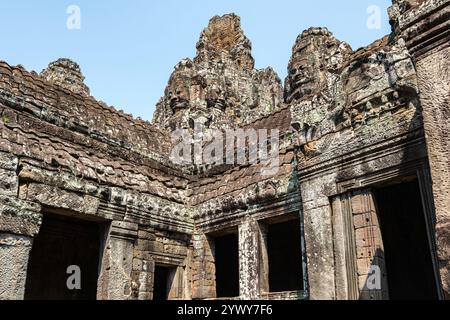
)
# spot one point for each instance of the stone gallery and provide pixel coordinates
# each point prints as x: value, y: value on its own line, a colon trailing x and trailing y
x: 93, y: 205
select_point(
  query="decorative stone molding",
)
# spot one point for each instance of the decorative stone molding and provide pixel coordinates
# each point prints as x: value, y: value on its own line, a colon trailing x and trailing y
x: 19, y: 217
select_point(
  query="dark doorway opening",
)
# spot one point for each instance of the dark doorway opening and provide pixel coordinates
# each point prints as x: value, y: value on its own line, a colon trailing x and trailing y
x: 226, y: 250
x: 63, y: 242
x: 285, y: 256
x: 409, y: 261
x: 163, y: 279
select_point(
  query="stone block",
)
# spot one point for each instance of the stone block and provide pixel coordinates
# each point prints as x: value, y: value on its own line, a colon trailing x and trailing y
x: 9, y: 183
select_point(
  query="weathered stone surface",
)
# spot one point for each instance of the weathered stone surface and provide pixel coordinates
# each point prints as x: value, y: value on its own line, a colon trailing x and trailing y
x: 349, y: 121
x: 434, y: 81
x: 66, y: 74
x: 57, y: 198
x: 9, y: 183
x: 19, y: 217
x: 115, y: 280
x: 8, y: 161
x: 423, y: 26
x: 14, y: 253
x: 220, y: 87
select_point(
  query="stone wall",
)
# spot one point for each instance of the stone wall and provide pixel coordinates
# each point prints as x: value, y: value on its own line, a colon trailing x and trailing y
x: 348, y: 120
x: 62, y: 150
x: 424, y: 28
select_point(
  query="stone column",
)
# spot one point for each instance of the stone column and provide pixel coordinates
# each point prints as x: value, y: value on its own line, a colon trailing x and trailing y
x: 203, y: 267
x: 359, y: 251
x: 249, y: 260
x: 143, y: 265
x: 319, y: 248
x: 19, y: 224
x: 370, y: 260
x: 115, y: 281
x: 340, y: 239
x: 264, y: 286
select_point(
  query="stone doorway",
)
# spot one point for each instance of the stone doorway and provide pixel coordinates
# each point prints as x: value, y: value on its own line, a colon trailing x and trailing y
x: 407, y: 250
x: 386, y: 246
x: 281, y: 256
x: 63, y: 242
x: 163, y: 282
x: 226, y: 254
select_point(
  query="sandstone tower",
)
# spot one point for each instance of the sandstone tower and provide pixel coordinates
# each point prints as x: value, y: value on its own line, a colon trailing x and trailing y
x: 362, y: 189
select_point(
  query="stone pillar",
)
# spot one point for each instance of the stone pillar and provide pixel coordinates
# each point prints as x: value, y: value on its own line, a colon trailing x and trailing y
x: 264, y: 286
x: 143, y: 265
x: 14, y: 253
x: 19, y: 224
x: 319, y: 249
x: 359, y: 252
x: 115, y: 281
x: 340, y: 239
x: 203, y: 267
x: 249, y: 260
x: 370, y: 260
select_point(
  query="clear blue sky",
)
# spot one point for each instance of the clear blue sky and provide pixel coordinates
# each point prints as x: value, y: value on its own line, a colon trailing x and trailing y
x: 127, y: 48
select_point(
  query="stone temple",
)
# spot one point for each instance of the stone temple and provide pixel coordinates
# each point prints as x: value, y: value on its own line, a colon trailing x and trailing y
x: 359, y: 207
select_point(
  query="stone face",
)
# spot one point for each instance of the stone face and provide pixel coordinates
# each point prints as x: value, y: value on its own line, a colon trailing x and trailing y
x: 317, y: 59
x: 220, y: 87
x: 350, y: 122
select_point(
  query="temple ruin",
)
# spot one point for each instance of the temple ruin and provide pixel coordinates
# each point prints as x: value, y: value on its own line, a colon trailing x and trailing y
x: 359, y: 207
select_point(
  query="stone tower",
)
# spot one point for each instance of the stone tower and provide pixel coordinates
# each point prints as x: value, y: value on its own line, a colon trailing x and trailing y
x: 358, y: 208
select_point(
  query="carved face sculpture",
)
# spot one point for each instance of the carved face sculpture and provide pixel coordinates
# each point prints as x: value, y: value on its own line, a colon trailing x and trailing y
x: 186, y: 89
x: 301, y: 79
x: 197, y: 91
x: 215, y: 98
x: 317, y: 55
x: 221, y: 81
x: 178, y: 93
x: 178, y: 96
x: 303, y: 69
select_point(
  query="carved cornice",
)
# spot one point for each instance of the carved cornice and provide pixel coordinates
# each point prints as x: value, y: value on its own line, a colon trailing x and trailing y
x: 124, y: 230
x: 393, y: 149
x: 279, y: 206
x: 425, y: 28
x: 19, y: 217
